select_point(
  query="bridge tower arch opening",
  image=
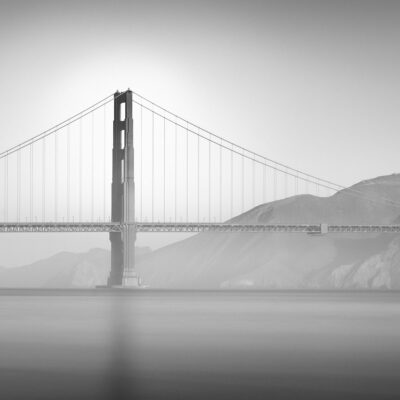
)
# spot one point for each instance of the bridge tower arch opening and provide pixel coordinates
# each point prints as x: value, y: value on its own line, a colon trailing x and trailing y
x: 123, y: 195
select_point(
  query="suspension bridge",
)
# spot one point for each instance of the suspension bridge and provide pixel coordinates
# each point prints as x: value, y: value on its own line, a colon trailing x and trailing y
x: 126, y: 165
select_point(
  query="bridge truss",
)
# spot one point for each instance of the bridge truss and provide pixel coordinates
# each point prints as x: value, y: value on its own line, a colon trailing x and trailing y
x: 152, y: 227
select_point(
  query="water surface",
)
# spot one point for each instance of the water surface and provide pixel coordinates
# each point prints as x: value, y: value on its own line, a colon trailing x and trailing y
x: 103, y: 344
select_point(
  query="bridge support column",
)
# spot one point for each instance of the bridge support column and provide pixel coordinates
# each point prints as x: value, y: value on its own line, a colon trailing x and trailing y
x: 123, y: 195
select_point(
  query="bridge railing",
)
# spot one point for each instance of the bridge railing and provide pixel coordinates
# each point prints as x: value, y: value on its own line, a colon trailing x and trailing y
x: 149, y: 227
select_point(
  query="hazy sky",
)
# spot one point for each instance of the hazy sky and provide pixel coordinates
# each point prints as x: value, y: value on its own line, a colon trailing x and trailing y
x: 314, y: 84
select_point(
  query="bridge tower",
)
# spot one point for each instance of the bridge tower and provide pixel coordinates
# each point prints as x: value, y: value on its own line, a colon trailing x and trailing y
x: 123, y: 195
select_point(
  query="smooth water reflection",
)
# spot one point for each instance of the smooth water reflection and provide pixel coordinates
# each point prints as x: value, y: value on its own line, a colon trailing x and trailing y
x: 199, y: 345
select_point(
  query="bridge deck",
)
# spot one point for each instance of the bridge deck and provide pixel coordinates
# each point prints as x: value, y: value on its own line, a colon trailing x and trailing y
x: 14, y: 227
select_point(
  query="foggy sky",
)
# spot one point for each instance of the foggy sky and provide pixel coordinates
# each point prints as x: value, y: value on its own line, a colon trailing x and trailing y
x: 314, y: 84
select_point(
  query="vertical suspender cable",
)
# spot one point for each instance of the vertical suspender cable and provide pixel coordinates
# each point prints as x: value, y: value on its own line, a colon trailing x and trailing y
x: 80, y: 169
x: 6, y: 188
x: 55, y: 175
x: 31, y: 182
x: 187, y: 172
x: 254, y: 180
x: 44, y: 180
x: 152, y: 168
x: 275, y: 184
x: 264, y: 184
x: 164, y: 172
x: 198, y: 177
x: 220, y: 182
x: 104, y: 160
x: 176, y: 170
x: 92, y: 198
x: 141, y: 163
x: 18, y: 184
x: 232, y: 182
x: 286, y: 184
x: 209, y: 180
x: 68, y: 173
x: 242, y: 181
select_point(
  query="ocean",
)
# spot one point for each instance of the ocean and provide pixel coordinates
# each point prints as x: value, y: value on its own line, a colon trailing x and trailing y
x: 146, y: 344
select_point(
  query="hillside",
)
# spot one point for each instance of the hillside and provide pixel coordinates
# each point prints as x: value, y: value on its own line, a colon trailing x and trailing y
x: 239, y: 260
x: 63, y: 270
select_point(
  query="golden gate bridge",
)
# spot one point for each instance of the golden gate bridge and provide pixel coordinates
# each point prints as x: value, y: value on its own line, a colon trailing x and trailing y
x: 126, y: 165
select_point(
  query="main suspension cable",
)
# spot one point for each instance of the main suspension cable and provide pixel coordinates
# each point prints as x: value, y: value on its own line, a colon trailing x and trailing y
x: 60, y: 125
x: 294, y: 174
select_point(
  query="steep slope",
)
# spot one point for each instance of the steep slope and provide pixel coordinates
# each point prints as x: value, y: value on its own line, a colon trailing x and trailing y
x: 222, y: 260
x: 63, y: 270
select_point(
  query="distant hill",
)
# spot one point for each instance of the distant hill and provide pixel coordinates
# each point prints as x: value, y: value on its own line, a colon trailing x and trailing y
x: 63, y: 270
x: 249, y: 260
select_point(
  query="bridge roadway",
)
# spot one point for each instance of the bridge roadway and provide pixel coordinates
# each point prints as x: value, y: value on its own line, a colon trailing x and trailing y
x: 28, y: 227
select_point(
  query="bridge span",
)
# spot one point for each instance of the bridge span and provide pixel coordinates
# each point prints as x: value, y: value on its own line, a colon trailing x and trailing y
x: 154, y: 227
x: 138, y: 168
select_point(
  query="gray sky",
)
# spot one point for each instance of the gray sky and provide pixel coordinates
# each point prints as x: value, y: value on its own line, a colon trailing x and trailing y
x: 314, y: 84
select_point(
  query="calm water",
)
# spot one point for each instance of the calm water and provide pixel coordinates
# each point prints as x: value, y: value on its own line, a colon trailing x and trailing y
x: 199, y: 345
